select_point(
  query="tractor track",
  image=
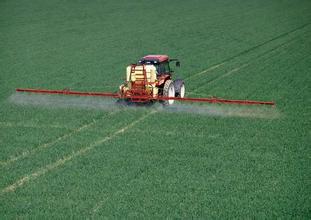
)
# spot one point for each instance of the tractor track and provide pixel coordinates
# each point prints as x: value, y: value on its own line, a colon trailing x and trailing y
x: 304, y: 58
x: 31, y: 125
x: 32, y: 151
x: 137, y: 173
x: 249, y: 62
x: 61, y: 162
x: 217, y: 65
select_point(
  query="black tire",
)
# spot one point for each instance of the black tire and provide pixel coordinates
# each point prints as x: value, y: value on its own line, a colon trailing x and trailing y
x: 168, y: 91
x: 179, y: 88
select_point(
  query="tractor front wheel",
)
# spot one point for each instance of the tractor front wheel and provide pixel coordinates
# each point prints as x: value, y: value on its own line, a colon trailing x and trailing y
x: 168, y: 91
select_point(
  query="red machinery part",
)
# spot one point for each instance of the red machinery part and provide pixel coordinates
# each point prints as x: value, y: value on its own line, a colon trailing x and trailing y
x: 69, y: 92
x: 118, y: 96
x: 218, y: 100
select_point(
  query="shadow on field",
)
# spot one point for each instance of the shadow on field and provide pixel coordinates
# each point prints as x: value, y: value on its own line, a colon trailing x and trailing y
x: 97, y: 103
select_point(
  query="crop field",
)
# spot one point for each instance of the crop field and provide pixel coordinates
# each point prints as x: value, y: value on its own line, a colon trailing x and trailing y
x: 85, y: 157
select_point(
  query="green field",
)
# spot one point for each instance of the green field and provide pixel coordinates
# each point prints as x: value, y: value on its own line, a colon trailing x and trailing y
x: 74, y: 157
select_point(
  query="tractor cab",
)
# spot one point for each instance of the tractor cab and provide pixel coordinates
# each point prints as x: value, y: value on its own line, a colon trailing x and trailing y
x: 161, y: 63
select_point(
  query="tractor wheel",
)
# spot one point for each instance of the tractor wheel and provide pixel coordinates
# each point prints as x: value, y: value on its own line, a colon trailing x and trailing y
x: 179, y: 88
x: 168, y: 91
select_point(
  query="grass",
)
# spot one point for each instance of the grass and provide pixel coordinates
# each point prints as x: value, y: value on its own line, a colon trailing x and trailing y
x: 64, y: 157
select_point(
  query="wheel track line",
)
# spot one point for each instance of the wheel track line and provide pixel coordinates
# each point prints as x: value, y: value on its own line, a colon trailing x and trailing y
x: 30, y: 125
x: 61, y: 162
x: 249, y: 62
x: 247, y: 51
x: 98, y: 206
x: 48, y: 144
x: 222, y: 76
x: 207, y: 70
x: 138, y: 172
x: 289, y: 68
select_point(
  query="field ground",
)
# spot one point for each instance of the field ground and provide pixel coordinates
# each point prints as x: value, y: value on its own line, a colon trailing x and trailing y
x: 83, y: 157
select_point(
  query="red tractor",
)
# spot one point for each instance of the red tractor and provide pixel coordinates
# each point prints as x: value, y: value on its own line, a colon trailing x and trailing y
x: 151, y: 79
x: 148, y: 81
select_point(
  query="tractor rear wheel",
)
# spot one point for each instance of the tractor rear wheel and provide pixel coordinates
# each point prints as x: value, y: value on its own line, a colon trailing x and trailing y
x: 168, y: 91
x: 179, y: 88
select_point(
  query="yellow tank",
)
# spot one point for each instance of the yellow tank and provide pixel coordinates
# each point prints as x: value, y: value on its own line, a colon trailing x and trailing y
x: 151, y: 73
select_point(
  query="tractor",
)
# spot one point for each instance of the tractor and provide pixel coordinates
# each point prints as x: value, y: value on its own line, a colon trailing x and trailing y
x: 151, y: 79
x: 148, y: 81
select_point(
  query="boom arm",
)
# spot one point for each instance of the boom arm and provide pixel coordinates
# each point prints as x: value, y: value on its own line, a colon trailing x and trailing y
x: 147, y: 98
